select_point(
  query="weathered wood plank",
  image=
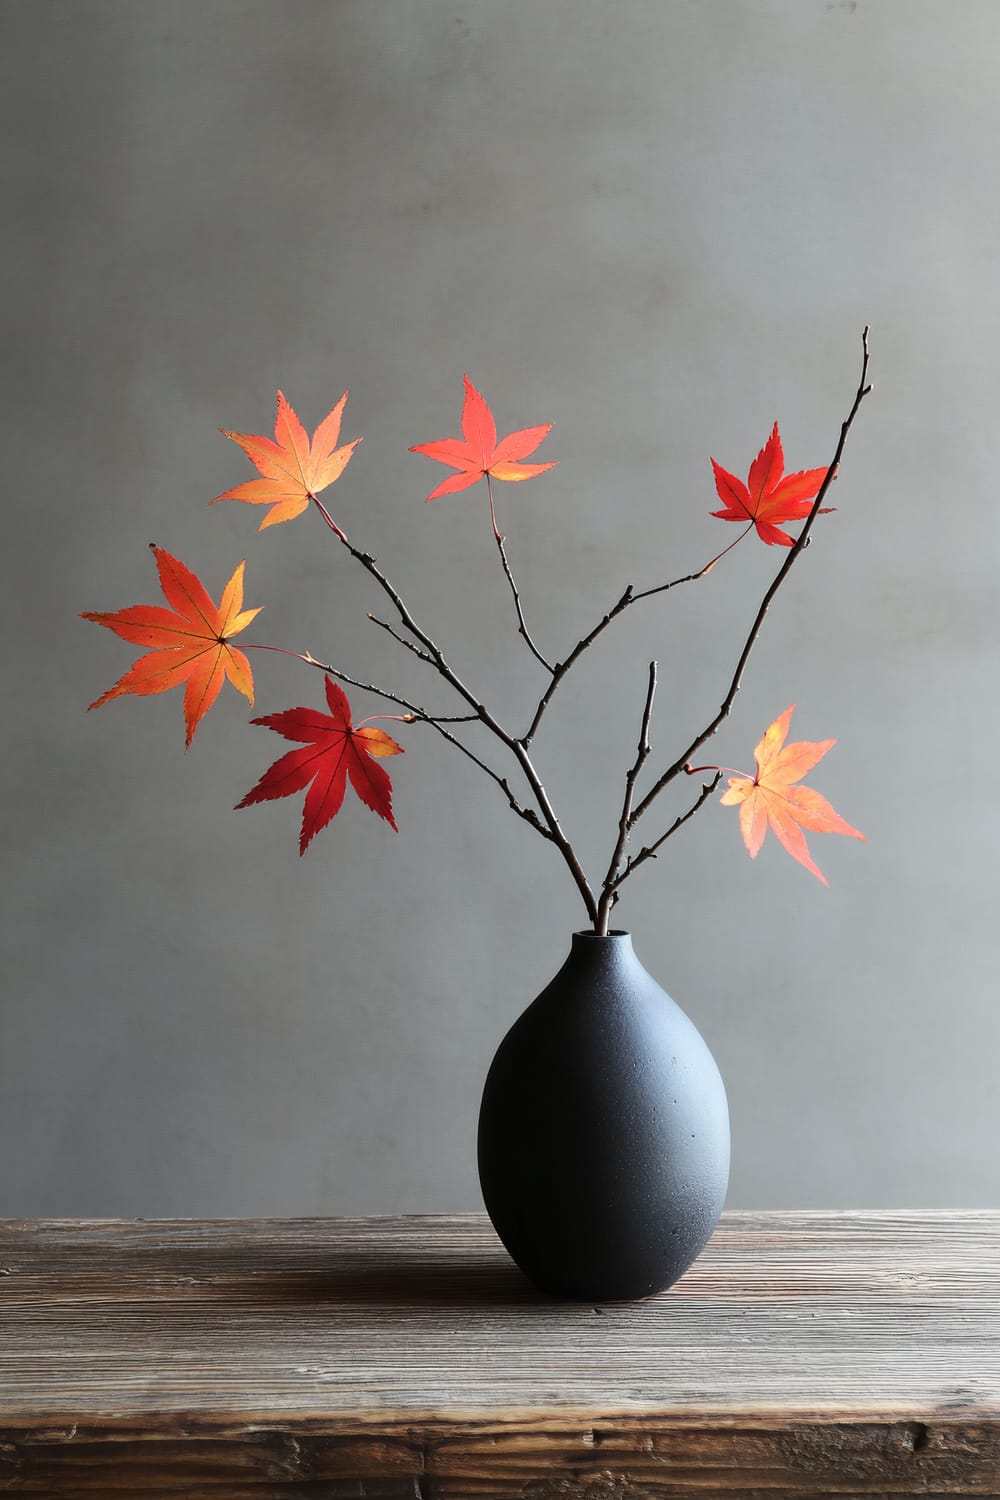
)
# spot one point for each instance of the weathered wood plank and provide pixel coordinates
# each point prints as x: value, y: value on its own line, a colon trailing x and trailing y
x: 804, y: 1354
x: 807, y: 1461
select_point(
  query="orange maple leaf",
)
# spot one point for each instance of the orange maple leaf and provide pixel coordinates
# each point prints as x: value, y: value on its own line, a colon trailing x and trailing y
x: 769, y: 799
x: 477, y: 452
x: 769, y: 497
x: 190, y: 641
x: 295, y: 469
x: 332, y: 752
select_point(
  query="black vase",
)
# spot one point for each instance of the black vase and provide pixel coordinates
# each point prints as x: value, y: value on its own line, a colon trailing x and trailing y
x: 603, y: 1131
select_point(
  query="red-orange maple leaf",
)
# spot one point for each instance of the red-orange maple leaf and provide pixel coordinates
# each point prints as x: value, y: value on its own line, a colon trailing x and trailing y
x: 294, y: 468
x: 332, y: 753
x: 770, y: 799
x: 477, y: 452
x: 190, y: 641
x: 769, y: 497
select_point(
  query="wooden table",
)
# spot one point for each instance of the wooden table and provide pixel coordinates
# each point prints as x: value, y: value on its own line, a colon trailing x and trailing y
x: 805, y: 1354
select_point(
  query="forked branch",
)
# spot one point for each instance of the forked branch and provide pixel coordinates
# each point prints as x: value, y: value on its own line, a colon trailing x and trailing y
x: 543, y: 817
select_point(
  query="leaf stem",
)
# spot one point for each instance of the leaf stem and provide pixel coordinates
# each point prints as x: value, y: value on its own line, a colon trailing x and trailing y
x: 327, y: 517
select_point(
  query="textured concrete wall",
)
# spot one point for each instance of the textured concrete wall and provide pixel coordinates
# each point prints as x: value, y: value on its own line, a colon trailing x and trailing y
x: 659, y: 225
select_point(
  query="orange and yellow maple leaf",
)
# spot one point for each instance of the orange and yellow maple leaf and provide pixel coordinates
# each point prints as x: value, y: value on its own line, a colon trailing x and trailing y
x: 295, y: 468
x: 190, y: 641
x: 477, y: 453
x: 769, y: 799
x: 770, y: 497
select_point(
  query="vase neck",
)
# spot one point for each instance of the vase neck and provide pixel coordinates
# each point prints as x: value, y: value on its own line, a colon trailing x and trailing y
x: 620, y: 942
x: 593, y: 954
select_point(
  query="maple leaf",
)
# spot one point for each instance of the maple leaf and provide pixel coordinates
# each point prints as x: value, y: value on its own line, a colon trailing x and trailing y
x: 770, y: 798
x: 295, y: 469
x: 189, y: 641
x: 769, y: 496
x: 332, y: 753
x: 477, y: 452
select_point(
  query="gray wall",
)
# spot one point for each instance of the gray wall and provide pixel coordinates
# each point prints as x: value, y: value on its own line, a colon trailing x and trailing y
x: 658, y: 225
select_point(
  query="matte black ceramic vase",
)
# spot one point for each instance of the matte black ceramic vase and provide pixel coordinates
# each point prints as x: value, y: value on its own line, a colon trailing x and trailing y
x: 603, y: 1132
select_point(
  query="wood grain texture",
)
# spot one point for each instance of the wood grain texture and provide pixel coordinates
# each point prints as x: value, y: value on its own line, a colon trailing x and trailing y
x: 805, y: 1354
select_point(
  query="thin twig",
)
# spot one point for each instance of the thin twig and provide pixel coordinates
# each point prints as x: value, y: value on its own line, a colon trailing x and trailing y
x: 368, y: 687
x: 521, y: 626
x: 312, y: 661
x: 649, y: 851
x: 423, y: 655
x: 418, y: 715
x: 607, y: 898
x: 628, y: 598
x: 661, y: 588
x: 803, y: 540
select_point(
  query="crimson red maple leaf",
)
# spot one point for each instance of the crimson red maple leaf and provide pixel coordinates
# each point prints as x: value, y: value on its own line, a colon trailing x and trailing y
x: 190, y: 641
x: 770, y: 800
x: 770, y: 497
x: 332, y: 753
x: 294, y: 468
x: 477, y: 452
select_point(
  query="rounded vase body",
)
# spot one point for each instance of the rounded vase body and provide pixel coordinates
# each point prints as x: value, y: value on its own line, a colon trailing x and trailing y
x: 603, y: 1131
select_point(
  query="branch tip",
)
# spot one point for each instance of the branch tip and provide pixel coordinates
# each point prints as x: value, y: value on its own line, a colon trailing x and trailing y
x: 798, y: 546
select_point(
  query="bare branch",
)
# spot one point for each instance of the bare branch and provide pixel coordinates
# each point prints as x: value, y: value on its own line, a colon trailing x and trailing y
x: 312, y: 661
x: 803, y: 541
x: 561, y: 668
x: 661, y: 588
x: 649, y: 851
x: 608, y: 894
x: 521, y: 626
x: 548, y: 816
x: 423, y: 655
x: 628, y: 598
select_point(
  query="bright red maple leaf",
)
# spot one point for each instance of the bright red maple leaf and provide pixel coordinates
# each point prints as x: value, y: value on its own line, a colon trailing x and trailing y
x: 477, y: 453
x: 769, y: 798
x: 295, y: 469
x: 189, y: 641
x: 770, y: 497
x: 332, y: 753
